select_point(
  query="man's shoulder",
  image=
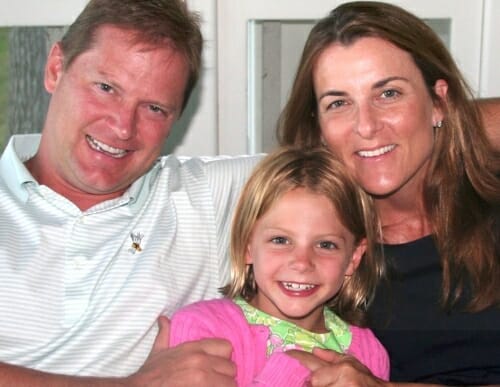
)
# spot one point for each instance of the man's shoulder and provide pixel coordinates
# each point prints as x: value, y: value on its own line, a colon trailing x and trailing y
x: 227, y: 161
x: 221, y: 171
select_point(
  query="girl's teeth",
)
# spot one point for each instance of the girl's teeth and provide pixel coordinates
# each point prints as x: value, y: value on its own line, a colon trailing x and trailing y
x: 297, y: 287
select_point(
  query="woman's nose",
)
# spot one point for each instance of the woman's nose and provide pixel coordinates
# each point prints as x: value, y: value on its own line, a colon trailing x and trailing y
x: 367, y: 123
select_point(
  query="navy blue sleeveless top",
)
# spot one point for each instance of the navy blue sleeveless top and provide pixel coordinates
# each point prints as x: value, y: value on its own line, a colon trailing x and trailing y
x: 425, y: 342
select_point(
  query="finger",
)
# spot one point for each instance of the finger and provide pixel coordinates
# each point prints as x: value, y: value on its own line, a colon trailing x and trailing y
x: 327, y: 355
x: 224, y: 366
x: 214, y: 354
x: 162, y: 338
x: 346, y: 370
x: 217, y: 347
x: 308, y: 360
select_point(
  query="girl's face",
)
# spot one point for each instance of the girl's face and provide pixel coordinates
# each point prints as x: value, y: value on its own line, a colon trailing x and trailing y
x: 375, y: 111
x: 300, y: 253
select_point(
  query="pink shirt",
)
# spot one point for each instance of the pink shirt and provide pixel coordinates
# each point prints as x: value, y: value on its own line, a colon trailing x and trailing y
x: 223, y: 319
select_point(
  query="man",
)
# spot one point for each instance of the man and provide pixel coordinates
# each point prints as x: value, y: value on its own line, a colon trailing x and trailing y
x: 100, y: 237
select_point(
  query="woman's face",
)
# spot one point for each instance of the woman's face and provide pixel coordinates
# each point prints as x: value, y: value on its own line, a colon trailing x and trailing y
x: 375, y: 111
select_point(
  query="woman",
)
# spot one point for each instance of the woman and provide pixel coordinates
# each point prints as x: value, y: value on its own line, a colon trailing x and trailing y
x: 377, y: 86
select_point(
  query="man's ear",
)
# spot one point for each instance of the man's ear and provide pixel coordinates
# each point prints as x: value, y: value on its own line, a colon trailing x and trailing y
x: 54, y: 67
x: 357, y: 256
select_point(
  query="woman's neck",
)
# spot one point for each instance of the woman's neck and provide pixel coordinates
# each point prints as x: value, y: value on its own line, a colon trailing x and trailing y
x: 402, y: 221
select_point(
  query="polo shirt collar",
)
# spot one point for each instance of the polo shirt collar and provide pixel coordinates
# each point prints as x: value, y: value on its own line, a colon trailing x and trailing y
x: 20, y: 148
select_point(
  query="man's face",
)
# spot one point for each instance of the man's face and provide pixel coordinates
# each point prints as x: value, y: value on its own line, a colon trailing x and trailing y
x: 109, y: 115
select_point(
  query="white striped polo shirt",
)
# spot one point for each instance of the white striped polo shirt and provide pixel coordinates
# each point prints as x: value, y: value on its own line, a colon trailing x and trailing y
x: 80, y: 292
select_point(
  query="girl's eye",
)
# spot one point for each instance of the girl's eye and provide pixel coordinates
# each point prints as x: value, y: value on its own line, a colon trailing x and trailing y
x: 279, y: 240
x: 327, y: 245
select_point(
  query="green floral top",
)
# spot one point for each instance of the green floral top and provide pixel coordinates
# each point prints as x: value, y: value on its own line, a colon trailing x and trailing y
x: 285, y: 335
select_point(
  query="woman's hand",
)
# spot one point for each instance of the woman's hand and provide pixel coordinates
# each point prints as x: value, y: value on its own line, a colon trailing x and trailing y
x: 329, y: 368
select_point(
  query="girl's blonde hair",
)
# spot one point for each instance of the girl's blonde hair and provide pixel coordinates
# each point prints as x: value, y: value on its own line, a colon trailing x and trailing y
x: 320, y: 172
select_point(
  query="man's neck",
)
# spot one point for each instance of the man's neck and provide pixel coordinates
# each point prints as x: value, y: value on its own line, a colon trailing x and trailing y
x: 83, y: 200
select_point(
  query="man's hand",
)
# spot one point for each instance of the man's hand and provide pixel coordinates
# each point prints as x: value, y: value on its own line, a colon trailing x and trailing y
x: 198, y: 363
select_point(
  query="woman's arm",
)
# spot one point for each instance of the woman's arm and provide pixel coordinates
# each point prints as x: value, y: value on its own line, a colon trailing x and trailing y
x: 490, y: 111
x: 332, y: 369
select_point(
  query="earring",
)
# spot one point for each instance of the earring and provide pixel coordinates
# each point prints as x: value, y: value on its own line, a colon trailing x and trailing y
x: 438, y: 125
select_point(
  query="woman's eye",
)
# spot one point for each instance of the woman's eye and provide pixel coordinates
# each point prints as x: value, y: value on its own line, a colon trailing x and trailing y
x: 279, y: 240
x: 335, y: 104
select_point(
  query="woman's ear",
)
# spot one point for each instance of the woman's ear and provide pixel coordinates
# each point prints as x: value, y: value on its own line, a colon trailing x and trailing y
x: 54, y: 67
x: 441, y: 90
x: 357, y: 256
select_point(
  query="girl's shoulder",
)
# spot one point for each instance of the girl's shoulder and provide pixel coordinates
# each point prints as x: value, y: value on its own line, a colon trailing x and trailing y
x: 370, y: 351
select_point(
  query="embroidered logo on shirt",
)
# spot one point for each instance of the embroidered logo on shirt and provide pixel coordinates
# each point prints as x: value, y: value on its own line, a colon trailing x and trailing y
x: 136, y: 242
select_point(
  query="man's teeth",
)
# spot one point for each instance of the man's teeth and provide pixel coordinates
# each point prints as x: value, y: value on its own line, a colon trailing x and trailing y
x: 377, y: 152
x: 101, y: 147
x: 297, y: 287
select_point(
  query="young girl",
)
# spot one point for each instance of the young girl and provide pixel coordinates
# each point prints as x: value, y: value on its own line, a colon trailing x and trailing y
x: 304, y: 265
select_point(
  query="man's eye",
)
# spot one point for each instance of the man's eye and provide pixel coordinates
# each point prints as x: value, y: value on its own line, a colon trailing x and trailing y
x: 279, y: 240
x: 156, y: 109
x: 105, y: 87
x: 391, y: 93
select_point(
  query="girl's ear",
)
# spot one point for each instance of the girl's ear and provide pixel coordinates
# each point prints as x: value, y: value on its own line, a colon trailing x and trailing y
x: 54, y: 67
x: 357, y: 256
x: 248, y: 256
